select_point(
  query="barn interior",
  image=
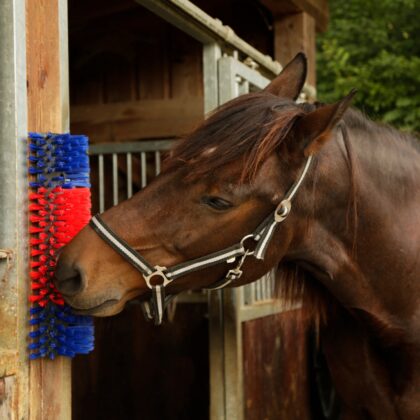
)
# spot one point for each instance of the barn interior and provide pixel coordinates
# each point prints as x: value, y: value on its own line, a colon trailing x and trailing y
x: 135, y: 78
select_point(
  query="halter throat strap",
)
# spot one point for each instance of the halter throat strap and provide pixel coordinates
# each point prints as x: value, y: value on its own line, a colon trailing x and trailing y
x: 158, y: 277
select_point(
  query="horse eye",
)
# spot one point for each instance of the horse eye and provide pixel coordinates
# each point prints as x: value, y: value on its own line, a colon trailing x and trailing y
x: 216, y: 203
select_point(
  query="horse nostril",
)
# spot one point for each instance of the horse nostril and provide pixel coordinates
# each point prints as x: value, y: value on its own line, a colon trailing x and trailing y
x: 68, y: 280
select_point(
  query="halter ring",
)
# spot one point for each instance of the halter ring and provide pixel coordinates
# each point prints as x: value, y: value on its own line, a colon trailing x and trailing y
x: 159, y: 272
x: 282, y: 210
x: 242, y: 243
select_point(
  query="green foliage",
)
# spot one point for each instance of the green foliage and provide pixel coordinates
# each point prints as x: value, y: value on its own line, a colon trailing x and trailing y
x: 373, y: 46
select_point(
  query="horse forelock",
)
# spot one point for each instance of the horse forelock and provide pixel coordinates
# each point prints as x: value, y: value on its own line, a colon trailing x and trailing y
x: 247, y: 130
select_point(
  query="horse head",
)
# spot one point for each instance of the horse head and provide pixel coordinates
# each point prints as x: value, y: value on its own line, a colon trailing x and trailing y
x: 217, y: 186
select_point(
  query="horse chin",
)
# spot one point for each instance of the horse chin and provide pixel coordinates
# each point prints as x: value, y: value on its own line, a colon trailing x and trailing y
x: 108, y: 308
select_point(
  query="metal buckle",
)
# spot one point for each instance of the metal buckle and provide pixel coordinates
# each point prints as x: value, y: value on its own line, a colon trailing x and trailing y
x: 282, y: 210
x: 159, y: 272
x: 236, y: 273
x: 233, y: 274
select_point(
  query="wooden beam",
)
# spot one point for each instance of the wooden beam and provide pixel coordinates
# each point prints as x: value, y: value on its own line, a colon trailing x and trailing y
x: 46, y: 49
x: 318, y: 9
x: 292, y: 34
x: 123, y: 121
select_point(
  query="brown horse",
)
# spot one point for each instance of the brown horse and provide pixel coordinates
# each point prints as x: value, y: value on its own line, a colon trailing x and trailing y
x: 353, y: 231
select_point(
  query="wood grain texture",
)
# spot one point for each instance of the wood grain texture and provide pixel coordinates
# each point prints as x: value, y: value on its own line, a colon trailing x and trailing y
x: 275, y: 368
x: 124, y: 121
x: 140, y: 371
x: 50, y: 381
x: 295, y: 33
x: 318, y: 9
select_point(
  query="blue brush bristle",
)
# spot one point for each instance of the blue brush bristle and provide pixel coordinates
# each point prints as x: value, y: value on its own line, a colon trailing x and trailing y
x: 64, y: 155
x: 59, y: 332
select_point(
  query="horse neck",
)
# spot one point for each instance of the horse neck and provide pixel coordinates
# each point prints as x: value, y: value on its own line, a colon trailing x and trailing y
x: 359, y: 251
x: 388, y: 161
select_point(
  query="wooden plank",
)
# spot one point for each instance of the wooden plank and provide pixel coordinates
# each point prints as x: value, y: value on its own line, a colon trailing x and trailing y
x: 152, y: 109
x: 50, y: 381
x: 292, y: 34
x: 318, y: 9
x: 186, y: 74
x: 8, y: 398
x: 124, y: 121
x: 120, y: 81
x: 275, y: 358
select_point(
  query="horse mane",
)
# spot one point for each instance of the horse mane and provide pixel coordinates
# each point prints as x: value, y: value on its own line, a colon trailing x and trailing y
x: 249, y: 127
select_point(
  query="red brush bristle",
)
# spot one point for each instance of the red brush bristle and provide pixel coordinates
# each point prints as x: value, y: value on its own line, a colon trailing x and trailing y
x: 57, y: 216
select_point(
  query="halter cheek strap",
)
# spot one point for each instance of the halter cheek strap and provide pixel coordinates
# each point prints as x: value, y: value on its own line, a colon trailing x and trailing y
x: 158, y: 277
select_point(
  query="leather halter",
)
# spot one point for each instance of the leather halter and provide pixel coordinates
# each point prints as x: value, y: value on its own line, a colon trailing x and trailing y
x: 158, y: 277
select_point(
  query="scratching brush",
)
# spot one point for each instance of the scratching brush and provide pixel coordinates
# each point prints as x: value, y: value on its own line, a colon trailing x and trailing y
x: 59, y: 208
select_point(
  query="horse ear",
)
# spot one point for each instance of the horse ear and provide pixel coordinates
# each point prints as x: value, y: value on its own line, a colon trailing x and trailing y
x: 290, y: 81
x: 314, y: 129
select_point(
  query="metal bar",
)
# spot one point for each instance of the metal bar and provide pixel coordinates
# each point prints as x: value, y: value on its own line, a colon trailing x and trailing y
x: 194, y: 21
x: 227, y: 83
x: 243, y: 86
x: 101, y: 183
x: 13, y: 203
x: 264, y: 288
x: 266, y: 308
x: 129, y: 176
x: 251, y: 293
x: 157, y: 162
x: 245, y: 72
x: 131, y: 147
x: 115, y: 179
x: 217, y: 355
x: 211, y: 55
x: 258, y: 290
x: 143, y: 169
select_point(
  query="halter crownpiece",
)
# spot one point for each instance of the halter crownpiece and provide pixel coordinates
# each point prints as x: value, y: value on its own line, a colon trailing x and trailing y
x: 158, y: 277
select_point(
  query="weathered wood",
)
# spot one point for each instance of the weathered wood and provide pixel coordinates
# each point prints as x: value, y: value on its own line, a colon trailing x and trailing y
x: 8, y: 398
x: 318, y: 9
x: 135, y: 120
x: 275, y: 367
x: 50, y: 381
x: 294, y: 33
x: 140, y: 371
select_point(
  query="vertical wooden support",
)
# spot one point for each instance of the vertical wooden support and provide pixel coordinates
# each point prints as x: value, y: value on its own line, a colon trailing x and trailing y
x: 294, y: 33
x: 48, y: 110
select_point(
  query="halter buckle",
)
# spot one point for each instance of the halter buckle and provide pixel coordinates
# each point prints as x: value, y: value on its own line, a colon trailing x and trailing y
x: 159, y: 272
x: 234, y: 274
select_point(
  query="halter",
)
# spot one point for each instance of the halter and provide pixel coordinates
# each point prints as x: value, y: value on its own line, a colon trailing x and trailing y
x: 158, y: 277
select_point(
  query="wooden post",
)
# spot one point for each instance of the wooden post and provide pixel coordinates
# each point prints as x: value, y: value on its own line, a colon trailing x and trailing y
x: 48, y: 110
x: 294, y: 33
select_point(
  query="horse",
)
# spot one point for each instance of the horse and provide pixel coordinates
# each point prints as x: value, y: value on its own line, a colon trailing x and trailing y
x: 338, y: 196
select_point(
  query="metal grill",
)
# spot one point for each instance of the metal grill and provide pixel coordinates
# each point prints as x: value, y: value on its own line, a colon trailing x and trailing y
x: 260, y: 291
x: 114, y: 171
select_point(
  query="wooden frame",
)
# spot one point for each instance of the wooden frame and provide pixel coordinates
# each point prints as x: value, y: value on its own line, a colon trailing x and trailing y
x: 48, y: 110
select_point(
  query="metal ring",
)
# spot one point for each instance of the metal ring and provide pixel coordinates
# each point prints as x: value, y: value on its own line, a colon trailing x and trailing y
x: 159, y: 272
x: 242, y: 243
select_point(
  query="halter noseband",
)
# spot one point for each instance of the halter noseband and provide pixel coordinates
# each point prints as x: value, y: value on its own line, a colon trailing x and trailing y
x: 158, y: 277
